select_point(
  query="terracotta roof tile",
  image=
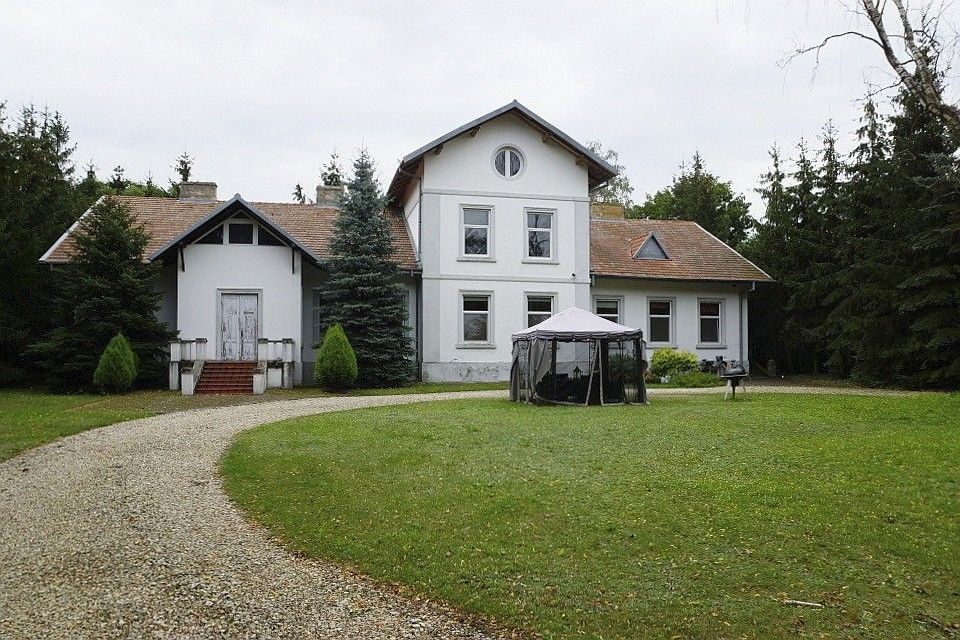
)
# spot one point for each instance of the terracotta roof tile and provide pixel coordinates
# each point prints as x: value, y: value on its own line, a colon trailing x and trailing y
x: 694, y: 254
x: 165, y: 218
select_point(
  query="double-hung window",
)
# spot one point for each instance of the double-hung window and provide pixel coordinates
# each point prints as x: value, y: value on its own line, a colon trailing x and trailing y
x: 661, y: 321
x: 710, y: 324
x: 540, y: 235
x: 475, y: 318
x: 475, y: 232
x: 607, y: 308
x: 539, y: 308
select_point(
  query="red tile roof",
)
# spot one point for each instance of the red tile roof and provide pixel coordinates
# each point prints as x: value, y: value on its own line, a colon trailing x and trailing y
x: 694, y: 254
x: 312, y: 226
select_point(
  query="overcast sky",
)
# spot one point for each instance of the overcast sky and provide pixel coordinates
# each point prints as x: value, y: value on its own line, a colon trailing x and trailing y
x: 260, y: 93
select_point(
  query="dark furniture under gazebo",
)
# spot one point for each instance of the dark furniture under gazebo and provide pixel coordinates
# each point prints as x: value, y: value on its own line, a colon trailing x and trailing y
x: 576, y: 357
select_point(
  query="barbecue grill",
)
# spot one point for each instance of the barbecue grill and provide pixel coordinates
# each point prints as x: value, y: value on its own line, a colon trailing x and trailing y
x: 734, y: 376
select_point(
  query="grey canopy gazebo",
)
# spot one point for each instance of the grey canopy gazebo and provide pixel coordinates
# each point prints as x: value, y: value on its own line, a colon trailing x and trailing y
x: 576, y: 357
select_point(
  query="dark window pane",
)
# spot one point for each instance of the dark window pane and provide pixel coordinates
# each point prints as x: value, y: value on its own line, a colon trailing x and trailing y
x: 475, y: 241
x: 241, y: 233
x: 709, y: 308
x: 536, y: 318
x: 659, y: 329
x: 540, y: 303
x: 214, y: 237
x: 539, y: 220
x: 659, y: 307
x: 539, y: 244
x: 476, y: 303
x: 475, y: 327
x: 514, y: 163
x: 476, y: 216
x: 500, y: 162
x: 608, y: 307
x: 267, y: 239
x: 709, y: 330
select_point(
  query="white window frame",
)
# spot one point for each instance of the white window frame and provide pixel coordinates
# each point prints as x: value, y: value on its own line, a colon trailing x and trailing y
x: 617, y: 299
x: 719, y: 344
x: 672, y: 342
x: 552, y: 258
x: 512, y: 147
x: 552, y: 295
x: 476, y: 257
x: 489, y: 343
x: 317, y: 301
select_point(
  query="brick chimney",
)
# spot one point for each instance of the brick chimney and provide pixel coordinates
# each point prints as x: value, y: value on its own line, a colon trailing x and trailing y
x: 329, y: 196
x: 203, y: 191
x: 607, y: 210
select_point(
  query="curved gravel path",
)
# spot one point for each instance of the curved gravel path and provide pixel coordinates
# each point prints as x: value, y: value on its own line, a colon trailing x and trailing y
x: 124, y: 531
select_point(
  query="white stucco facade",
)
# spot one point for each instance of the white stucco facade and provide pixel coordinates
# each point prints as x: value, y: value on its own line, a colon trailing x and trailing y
x: 206, y: 271
x: 499, y: 221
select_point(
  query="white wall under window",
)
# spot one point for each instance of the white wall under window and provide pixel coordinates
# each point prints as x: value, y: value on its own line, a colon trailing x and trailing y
x: 685, y: 308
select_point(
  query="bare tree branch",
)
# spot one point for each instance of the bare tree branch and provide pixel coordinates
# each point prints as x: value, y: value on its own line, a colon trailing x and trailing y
x: 919, y: 70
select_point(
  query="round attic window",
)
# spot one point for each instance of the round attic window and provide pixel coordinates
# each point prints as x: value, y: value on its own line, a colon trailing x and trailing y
x: 508, y: 162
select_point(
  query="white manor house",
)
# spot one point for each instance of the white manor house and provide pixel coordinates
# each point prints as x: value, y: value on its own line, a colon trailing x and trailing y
x: 494, y: 232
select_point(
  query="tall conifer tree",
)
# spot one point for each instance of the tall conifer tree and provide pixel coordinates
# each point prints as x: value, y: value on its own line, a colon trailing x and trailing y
x: 106, y: 289
x: 362, y: 291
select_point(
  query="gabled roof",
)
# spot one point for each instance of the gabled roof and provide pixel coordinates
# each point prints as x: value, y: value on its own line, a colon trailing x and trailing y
x: 309, y: 226
x: 692, y: 252
x: 598, y: 169
x: 228, y: 209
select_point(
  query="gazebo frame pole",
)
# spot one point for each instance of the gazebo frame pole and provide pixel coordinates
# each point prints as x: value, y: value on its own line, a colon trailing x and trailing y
x: 553, y: 366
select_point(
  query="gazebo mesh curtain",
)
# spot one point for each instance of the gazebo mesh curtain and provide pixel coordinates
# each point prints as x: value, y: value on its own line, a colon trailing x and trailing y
x: 578, y: 370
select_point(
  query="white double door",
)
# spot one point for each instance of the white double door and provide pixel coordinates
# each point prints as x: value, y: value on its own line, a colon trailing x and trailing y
x: 239, y: 318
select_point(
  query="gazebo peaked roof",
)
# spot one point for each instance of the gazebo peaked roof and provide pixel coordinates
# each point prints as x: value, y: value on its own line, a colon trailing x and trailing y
x: 574, y: 323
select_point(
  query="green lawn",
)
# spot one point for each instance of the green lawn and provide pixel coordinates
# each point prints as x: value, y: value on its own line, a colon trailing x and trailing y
x: 28, y: 418
x: 691, y: 517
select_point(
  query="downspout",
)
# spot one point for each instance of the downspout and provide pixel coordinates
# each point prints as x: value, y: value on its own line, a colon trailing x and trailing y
x: 753, y: 287
x: 418, y: 315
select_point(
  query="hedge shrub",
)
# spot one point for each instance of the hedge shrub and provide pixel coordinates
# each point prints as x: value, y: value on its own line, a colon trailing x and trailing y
x: 670, y: 362
x: 117, y: 367
x: 694, y: 380
x: 336, y: 365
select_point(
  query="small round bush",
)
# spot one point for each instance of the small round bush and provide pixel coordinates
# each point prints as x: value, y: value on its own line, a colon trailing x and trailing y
x: 336, y: 365
x: 670, y: 362
x: 117, y: 367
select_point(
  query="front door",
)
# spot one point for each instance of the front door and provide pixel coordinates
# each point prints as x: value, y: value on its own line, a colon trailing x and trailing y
x: 238, y: 326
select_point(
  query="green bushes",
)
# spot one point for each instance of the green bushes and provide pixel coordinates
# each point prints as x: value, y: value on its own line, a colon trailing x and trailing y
x: 336, y: 365
x: 670, y: 362
x: 117, y: 367
x: 694, y: 380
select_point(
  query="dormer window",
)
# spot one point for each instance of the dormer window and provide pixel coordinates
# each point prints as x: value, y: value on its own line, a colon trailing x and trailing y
x: 508, y: 162
x: 651, y: 249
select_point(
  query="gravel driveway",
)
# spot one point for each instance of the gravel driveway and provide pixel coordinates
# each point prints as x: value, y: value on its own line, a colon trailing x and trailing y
x: 124, y: 531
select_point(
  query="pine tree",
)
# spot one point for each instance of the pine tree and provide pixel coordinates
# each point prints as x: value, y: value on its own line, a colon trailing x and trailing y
x: 362, y: 291
x: 857, y: 329
x: 117, y: 182
x: 767, y: 248
x: 698, y: 195
x: 183, y: 165
x: 332, y: 175
x: 37, y: 202
x: 106, y: 289
x: 298, y: 196
x: 928, y: 238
